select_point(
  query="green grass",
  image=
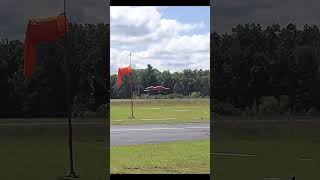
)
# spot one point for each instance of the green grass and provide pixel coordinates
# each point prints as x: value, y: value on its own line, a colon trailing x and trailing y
x: 160, y: 111
x: 175, y: 157
x: 41, y: 152
x: 276, y: 146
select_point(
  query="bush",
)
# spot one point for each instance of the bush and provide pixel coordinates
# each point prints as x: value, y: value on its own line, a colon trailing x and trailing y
x: 160, y: 96
x: 254, y: 109
x: 90, y: 113
x: 178, y: 95
x: 102, y: 111
x: 248, y: 111
x: 269, y: 104
x: 313, y: 112
x: 284, y: 102
x: 171, y: 96
x: 195, y: 94
x: 224, y: 108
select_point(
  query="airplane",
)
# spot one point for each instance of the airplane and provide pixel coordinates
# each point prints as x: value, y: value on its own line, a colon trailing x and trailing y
x: 156, y: 89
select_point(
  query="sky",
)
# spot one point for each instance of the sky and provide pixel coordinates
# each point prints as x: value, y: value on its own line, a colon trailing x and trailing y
x: 168, y: 38
x: 228, y: 13
x: 14, y: 14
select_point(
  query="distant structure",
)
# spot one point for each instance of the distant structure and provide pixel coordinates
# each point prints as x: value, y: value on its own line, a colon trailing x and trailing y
x: 152, y: 90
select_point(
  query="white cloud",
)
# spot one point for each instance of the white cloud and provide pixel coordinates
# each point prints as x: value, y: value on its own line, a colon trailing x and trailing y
x: 155, y: 40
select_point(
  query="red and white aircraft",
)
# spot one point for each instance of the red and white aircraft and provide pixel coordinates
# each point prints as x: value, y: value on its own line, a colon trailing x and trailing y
x: 157, y: 89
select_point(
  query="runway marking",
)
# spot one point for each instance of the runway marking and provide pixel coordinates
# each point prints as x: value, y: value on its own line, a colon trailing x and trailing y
x: 119, y: 120
x: 235, y: 154
x: 182, y: 110
x: 150, y: 108
x: 178, y: 133
x: 157, y: 119
x: 152, y: 129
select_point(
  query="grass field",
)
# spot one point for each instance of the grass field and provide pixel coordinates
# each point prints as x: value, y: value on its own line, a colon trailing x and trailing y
x: 278, y: 150
x: 174, y: 157
x: 41, y: 152
x: 160, y: 111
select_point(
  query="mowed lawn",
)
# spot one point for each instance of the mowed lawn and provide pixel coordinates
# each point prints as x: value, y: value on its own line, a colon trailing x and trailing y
x: 266, y: 151
x: 173, y: 157
x: 41, y: 152
x: 160, y: 111
x: 185, y: 157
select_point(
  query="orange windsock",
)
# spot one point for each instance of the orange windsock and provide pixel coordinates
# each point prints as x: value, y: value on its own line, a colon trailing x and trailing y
x: 122, y: 72
x: 41, y: 30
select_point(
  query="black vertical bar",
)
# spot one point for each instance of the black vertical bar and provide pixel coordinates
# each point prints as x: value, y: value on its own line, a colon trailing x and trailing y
x: 108, y: 94
x: 68, y: 92
x: 212, y: 114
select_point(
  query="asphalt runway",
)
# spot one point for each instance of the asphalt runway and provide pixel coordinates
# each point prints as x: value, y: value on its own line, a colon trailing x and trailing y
x: 157, y: 133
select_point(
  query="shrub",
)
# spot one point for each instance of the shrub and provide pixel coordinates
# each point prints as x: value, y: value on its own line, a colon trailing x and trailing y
x: 160, y: 96
x: 171, y: 96
x: 254, y: 109
x: 284, y: 102
x: 269, y: 104
x: 248, y: 111
x: 178, y: 95
x: 90, y: 113
x: 224, y: 108
x: 313, y: 111
x: 102, y: 111
x: 195, y: 94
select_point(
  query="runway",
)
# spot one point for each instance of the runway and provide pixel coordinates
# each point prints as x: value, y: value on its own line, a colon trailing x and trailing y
x: 157, y: 133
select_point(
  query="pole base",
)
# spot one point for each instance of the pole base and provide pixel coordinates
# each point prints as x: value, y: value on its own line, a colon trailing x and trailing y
x: 70, y: 177
x: 132, y: 117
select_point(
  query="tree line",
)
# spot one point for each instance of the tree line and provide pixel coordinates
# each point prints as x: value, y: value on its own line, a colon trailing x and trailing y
x: 266, y: 70
x: 44, y: 93
x: 187, y: 83
x: 254, y: 69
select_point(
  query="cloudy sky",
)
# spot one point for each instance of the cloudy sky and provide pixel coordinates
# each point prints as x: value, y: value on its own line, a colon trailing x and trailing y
x: 168, y: 38
x: 14, y: 14
x: 228, y: 13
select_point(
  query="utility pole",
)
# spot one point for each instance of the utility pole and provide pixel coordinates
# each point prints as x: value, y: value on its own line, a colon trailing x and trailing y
x: 71, y: 174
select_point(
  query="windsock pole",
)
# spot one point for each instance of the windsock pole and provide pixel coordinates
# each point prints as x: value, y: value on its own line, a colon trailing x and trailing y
x: 131, y: 89
x: 71, y: 174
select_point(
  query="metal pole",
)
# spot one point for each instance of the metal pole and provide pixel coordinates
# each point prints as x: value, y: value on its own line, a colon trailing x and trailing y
x: 131, y: 84
x: 130, y: 58
x: 68, y: 94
